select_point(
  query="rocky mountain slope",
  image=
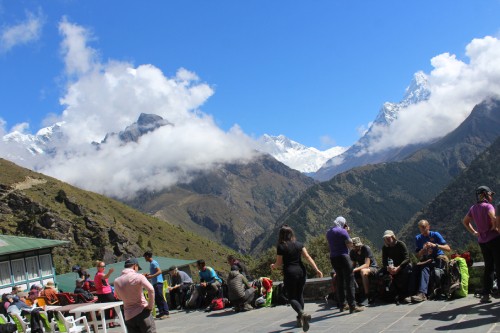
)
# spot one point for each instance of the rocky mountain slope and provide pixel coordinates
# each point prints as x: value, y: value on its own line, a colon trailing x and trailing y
x: 98, y: 228
x: 447, y: 210
x: 235, y: 205
x: 385, y: 196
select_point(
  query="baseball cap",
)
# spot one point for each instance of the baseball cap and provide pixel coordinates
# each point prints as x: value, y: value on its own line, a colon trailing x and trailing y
x: 131, y: 262
x: 388, y: 233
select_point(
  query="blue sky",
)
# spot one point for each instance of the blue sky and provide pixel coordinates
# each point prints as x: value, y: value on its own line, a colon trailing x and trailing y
x: 315, y: 71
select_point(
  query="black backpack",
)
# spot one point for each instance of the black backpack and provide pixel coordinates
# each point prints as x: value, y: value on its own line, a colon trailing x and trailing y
x: 8, y: 328
x: 279, y: 295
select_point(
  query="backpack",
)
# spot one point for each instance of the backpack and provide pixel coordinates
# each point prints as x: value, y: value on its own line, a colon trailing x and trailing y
x: 217, y: 304
x: 455, y: 282
x: 279, y: 295
x: 192, y: 297
x: 463, y: 288
x: 466, y: 256
x: 8, y: 328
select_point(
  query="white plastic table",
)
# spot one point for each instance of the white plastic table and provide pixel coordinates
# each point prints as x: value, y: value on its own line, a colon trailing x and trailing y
x: 99, y: 308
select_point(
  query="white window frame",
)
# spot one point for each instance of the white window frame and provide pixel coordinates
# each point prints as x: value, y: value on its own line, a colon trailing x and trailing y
x: 18, y: 270
x: 5, y: 273
x: 32, y: 267
x: 45, y: 259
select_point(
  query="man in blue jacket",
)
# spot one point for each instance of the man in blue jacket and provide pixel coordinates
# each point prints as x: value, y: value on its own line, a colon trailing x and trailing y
x: 430, y: 247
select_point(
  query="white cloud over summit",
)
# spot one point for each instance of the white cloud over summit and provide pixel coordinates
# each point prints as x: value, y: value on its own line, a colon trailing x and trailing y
x: 107, y: 97
x: 456, y: 87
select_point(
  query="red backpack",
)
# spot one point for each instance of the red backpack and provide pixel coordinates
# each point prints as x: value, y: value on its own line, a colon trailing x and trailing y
x: 466, y: 256
x: 217, y: 304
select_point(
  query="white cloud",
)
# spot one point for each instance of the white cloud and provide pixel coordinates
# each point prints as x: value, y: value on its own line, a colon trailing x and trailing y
x: 3, y: 123
x: 21, y: 128
x: 456, y: 87
x: 78, y: 57
x: 103, y: 98
x: 22, y: 33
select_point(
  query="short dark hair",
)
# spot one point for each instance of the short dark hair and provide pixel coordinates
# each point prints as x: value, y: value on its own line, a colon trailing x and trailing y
x: 200, y: 262
x: 148, y: 254
x: 231, y: 257
x: 172, y: 268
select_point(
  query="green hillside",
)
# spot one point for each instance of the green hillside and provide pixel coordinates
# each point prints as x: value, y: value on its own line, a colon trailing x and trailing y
x: 99, y: 228
x: 447, y: 210
x: 385, y: 196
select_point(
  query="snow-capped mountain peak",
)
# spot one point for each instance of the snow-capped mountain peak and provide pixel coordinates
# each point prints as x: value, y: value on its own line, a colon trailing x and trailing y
x: 357, y: 155
x: 295, y: 155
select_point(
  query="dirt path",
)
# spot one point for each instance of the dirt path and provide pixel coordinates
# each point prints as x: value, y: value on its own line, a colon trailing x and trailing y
x: 28, y: 183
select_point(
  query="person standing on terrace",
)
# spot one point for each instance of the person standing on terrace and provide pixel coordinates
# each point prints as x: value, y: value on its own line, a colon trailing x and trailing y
x: 340, y: 243
x: 289, y: 257
x: 488, y: 237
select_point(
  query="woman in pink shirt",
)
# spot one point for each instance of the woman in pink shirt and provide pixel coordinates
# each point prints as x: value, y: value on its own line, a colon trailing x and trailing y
x: 103, y: 288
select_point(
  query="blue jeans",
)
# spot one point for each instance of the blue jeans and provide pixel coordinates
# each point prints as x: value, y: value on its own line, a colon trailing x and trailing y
x: 160, y: 299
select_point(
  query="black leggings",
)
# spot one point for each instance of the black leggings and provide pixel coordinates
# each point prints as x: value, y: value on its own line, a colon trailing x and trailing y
x: 106, y: 298
x: 294, y: 287
x: 491, y: 256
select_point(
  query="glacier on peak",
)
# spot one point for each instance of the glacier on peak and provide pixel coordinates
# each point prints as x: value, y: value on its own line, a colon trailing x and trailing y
x: 357, y: 155
x: 296, y: 155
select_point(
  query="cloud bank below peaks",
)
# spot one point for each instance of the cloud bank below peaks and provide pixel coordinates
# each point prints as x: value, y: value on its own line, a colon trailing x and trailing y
x: 455, y: 86
x: 102, y: 98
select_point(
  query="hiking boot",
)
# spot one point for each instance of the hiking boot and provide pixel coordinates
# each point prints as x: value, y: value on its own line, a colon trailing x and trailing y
x: 299, y: 321
x: 343, y: 307
x: 485, y: 299
x: 306, y: 319
x: 356, y: 308
x: 363, y: 302
x: 420, y: 297
x: 405, y: 300
x: 246, y: 307
x: 162, y: 316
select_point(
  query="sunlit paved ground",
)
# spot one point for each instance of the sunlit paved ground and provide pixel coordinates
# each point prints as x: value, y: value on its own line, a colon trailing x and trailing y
x: 462, y: 315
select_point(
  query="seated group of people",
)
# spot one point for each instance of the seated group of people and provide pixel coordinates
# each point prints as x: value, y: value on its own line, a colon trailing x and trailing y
x: 239, y: 291
x: 408, y: 283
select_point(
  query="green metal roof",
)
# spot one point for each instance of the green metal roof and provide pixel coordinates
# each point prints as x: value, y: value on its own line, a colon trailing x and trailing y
x: 66, y: 282
x: 15, y: 244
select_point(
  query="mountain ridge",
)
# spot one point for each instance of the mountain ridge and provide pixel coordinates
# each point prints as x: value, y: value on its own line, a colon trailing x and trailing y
x: 385, y: 196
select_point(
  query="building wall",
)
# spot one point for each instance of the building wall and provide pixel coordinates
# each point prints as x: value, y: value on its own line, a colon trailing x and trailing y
x: 25, y: 269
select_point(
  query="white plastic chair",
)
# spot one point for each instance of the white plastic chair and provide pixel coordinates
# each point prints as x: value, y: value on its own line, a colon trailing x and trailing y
x: 21, y: 325
x: 48, y: 326
x: 3, y: 319
x: 69, y: 324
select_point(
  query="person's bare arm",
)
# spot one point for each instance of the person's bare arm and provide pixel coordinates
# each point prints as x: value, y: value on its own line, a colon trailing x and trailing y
x: 306, y: 255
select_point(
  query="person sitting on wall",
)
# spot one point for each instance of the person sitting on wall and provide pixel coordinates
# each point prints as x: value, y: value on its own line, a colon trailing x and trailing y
x: 365, y: 266
x: 181, y: 282
x: 398, y: 273
x: 430, y: 247
x: 210, y: 282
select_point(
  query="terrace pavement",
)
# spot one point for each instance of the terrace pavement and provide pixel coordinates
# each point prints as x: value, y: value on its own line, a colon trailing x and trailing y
x: 462, y: 315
